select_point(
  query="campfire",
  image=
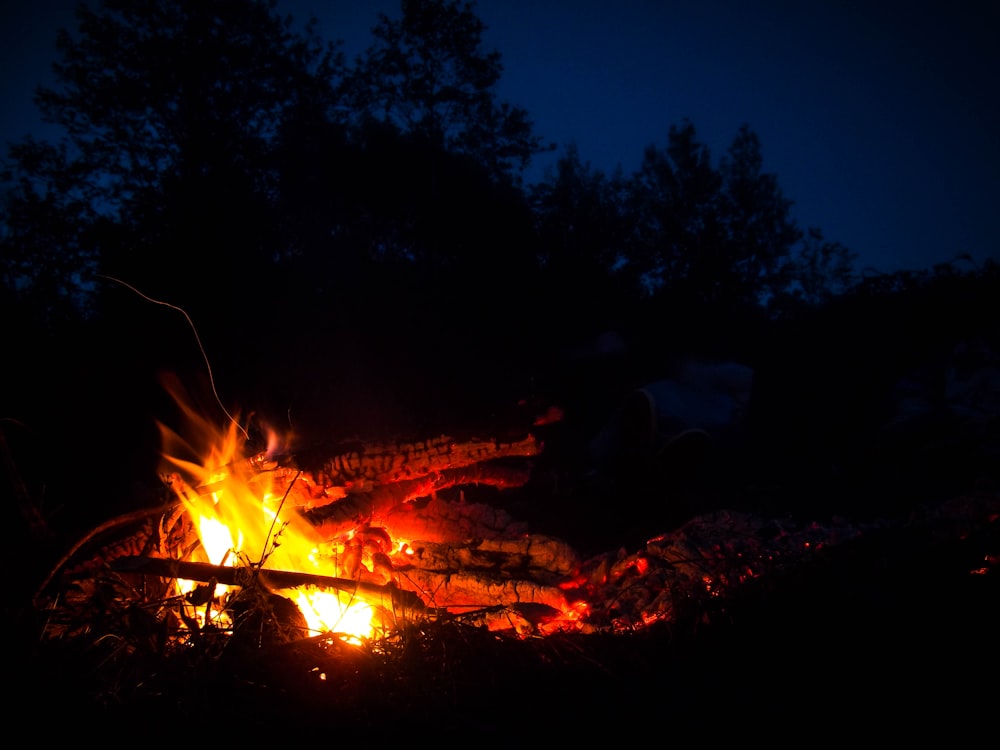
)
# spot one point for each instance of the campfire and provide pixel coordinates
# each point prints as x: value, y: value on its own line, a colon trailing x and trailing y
x: 344, y: 551
x: 361, y: 541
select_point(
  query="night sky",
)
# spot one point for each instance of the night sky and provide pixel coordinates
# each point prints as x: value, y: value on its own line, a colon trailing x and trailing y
x: 879, y: 119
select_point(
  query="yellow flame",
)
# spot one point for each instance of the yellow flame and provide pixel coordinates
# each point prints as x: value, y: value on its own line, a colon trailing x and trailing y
x: 240, y: 520
x: 336, y: 612
x: 217, y: 539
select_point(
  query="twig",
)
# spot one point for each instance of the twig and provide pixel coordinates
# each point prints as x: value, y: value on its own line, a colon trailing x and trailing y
x: 197, y: 338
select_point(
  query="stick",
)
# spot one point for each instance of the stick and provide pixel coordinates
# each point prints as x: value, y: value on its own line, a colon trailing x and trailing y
x: 386, y: 596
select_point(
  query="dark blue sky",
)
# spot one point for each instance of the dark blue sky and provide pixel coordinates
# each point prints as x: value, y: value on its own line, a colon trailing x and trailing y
x: 879, y: 118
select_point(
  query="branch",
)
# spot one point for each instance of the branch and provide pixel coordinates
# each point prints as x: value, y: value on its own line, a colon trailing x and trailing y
x: 386, y: 596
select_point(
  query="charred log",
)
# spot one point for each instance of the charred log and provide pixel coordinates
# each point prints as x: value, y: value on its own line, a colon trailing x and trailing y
x: 315, y: 480
x: 353, y: 508
x: 386, y: 463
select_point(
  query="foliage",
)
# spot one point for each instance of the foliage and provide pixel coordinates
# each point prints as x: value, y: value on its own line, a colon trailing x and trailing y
x: 169, y: 111
x: 761, y: 234
x: 582, y: 227
x: 47, y: 239
x: 210, y: 168
x: 820, y: 272
x: 674, y: 199
x: 721, y: 235
x: 428, y: 75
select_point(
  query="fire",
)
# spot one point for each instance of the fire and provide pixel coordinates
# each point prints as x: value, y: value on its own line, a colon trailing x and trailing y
x: 241, y: 521
x: 336, y: 612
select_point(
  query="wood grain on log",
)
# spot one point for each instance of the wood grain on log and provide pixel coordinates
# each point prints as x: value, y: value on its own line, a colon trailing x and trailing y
x: 385, y: 463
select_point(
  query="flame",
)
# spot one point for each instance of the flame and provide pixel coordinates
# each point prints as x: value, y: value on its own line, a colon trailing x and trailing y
x: 241, y: 520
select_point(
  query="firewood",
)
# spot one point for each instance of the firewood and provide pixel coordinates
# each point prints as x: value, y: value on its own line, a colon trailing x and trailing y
x: 442, y: 522
x: 373, y: 477
x: 360, y: 487
x: 378, y: 463
x: 386, y: 596
x: 347, y: 511
x: 479, y: 589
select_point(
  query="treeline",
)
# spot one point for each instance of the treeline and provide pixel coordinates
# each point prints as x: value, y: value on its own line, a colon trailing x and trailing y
x: 213, y: 147
x: 325, y: 223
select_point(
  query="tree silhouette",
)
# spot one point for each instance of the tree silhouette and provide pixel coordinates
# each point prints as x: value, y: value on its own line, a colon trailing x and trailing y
x: 49, y: 223
x: 759, y: 231
x: 214, y: 156
x: 719, y: 234
x: 170, y: 111
x: 582, y: 226
x: 428, y: 74
x: 820, y: 272
x: 675, y: 198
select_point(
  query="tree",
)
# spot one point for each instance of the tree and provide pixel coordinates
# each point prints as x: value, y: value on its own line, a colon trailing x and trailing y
x: 582, y: 233
x: 428, y: 75
x: 171, y: 111
x: 444, y: 212
x: 821, y: 271
x: 723, y: 236
x: 760, y: 232
x: 675, y: 202
x: 47, y: 243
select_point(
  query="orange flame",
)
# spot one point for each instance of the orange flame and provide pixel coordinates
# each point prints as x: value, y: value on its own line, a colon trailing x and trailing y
x: 240, y: 520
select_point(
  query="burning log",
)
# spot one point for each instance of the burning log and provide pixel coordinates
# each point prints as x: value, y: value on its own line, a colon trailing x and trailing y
x: 439, y: 521
x: 465, y: 589
x: 346, y: 512
x: 390, y: 473
x: 387, y: 597
x: 473, y: 555
x: 386, y: 463
x: 336, y: 494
